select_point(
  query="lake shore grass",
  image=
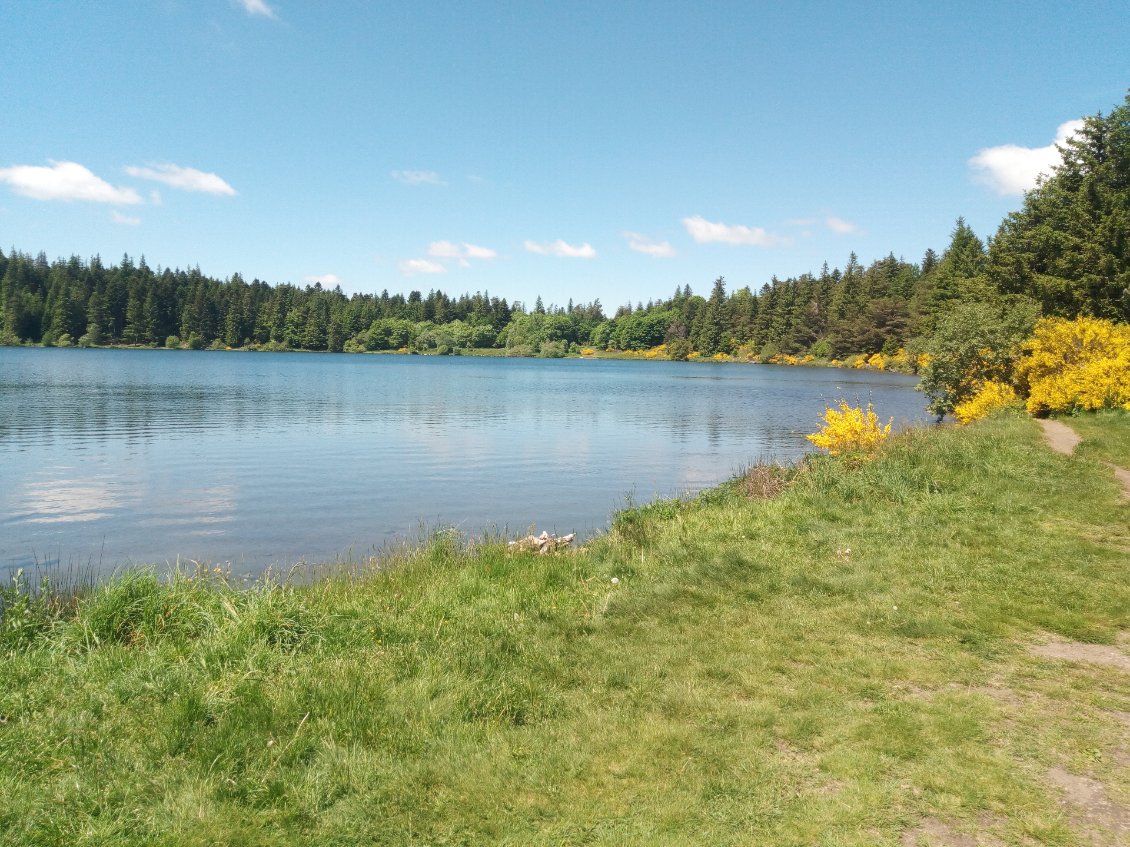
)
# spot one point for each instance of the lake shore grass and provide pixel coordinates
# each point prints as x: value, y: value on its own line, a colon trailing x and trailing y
x: 1105, y: 434
x: 834, y: 654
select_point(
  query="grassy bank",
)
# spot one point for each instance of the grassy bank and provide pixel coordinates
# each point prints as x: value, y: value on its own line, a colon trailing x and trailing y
x: 1105, y: 434
x: 844, y: 663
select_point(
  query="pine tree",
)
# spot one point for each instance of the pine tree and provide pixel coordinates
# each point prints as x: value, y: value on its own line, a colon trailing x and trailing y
x: 708, y: 333
x: 1069, y: 246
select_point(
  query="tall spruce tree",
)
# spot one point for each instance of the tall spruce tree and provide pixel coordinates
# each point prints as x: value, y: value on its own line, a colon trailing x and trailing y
x: 709, y: 329
x: 1069, y: 246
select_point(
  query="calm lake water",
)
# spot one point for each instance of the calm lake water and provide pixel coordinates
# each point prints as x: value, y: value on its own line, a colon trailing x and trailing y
x: 113, y: 457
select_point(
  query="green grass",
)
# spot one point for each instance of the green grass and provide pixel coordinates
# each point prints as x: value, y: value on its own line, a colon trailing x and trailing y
x: 827, y: 666
x: 1105, y: 434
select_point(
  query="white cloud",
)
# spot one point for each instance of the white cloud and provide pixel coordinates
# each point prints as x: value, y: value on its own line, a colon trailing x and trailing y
x: 186, y: 179
x: 562, y: 249
x: 325, y: 279
x: 118, y: 218
x: 257, y: 7
x: 707, y: 232
x: 445, y: 250
x: 473, y: 251
x: 65, y: 181
x: 643, y: 244
x: 840, y: 226
x: 1011, y: 169
x: 418, y: 177
x: 411, y: 267
x: 461, y: 253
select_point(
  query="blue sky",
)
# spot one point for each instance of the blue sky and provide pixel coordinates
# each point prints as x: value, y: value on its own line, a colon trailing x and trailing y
x: 584, y: 150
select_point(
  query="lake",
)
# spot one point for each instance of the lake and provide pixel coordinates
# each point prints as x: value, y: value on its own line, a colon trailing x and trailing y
x: 117, y: 457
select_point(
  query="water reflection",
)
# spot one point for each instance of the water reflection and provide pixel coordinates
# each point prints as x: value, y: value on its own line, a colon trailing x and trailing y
x: 67, y: 501
x: 269, y: 458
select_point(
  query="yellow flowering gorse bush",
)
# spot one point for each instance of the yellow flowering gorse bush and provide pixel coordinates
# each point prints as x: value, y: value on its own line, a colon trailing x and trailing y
x: 850, y: 429
x: 990, y: 396
x: 1078, y: 365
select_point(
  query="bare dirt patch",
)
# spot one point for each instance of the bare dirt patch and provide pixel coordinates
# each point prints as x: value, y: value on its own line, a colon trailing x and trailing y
x: 1076, y: 651
x: 1060, y: 437
x: 935, y: 833
x: 1123, y: 477
x: 1122, y: 717
x: 1001, y: 693
x: 1091, y: 809
x: 1063, y: 439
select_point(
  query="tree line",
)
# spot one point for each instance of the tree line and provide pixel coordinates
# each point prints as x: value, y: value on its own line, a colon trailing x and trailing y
x: 1065, y: 253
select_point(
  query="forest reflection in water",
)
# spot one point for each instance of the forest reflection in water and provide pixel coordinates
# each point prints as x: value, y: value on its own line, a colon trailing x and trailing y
x: 115, y: 457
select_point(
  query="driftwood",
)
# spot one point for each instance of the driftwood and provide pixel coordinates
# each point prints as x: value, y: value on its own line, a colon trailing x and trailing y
x: 544, y: 543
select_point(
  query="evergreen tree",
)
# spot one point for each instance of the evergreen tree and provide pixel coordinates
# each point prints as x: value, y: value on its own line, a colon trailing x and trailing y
x: 96, y: 318
x: 708, y: 331
x: 1069, y: 246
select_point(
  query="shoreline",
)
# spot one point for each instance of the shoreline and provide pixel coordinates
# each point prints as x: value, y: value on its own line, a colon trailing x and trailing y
x: 852, y: 362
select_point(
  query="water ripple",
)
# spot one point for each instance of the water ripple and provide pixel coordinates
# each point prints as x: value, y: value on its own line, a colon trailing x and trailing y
x: 147, y: 456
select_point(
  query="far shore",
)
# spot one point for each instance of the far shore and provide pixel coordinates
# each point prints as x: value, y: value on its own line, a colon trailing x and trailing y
x: 861, y: 361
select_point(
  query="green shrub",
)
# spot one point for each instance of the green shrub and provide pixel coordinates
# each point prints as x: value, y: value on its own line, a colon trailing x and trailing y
x: 678, y: 349
x: 822, y: 349
x: 974, y: 343
x: 553, y: 350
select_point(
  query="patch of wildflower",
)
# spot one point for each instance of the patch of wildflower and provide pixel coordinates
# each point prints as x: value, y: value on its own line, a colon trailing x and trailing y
x: 877, y: 361
x: 992, y: 395
x: 900, y: 361
x: 1077, y: 365
x: 850, y: 429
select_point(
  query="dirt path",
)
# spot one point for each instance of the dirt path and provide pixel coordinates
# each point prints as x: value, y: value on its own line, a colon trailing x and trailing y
x: 1063, y: 439
x: 1060, y: 437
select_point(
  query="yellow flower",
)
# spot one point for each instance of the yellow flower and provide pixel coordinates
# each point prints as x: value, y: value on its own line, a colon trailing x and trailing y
x: 990, y: 396
x: 1082, y: 364
x: 850, y: 429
